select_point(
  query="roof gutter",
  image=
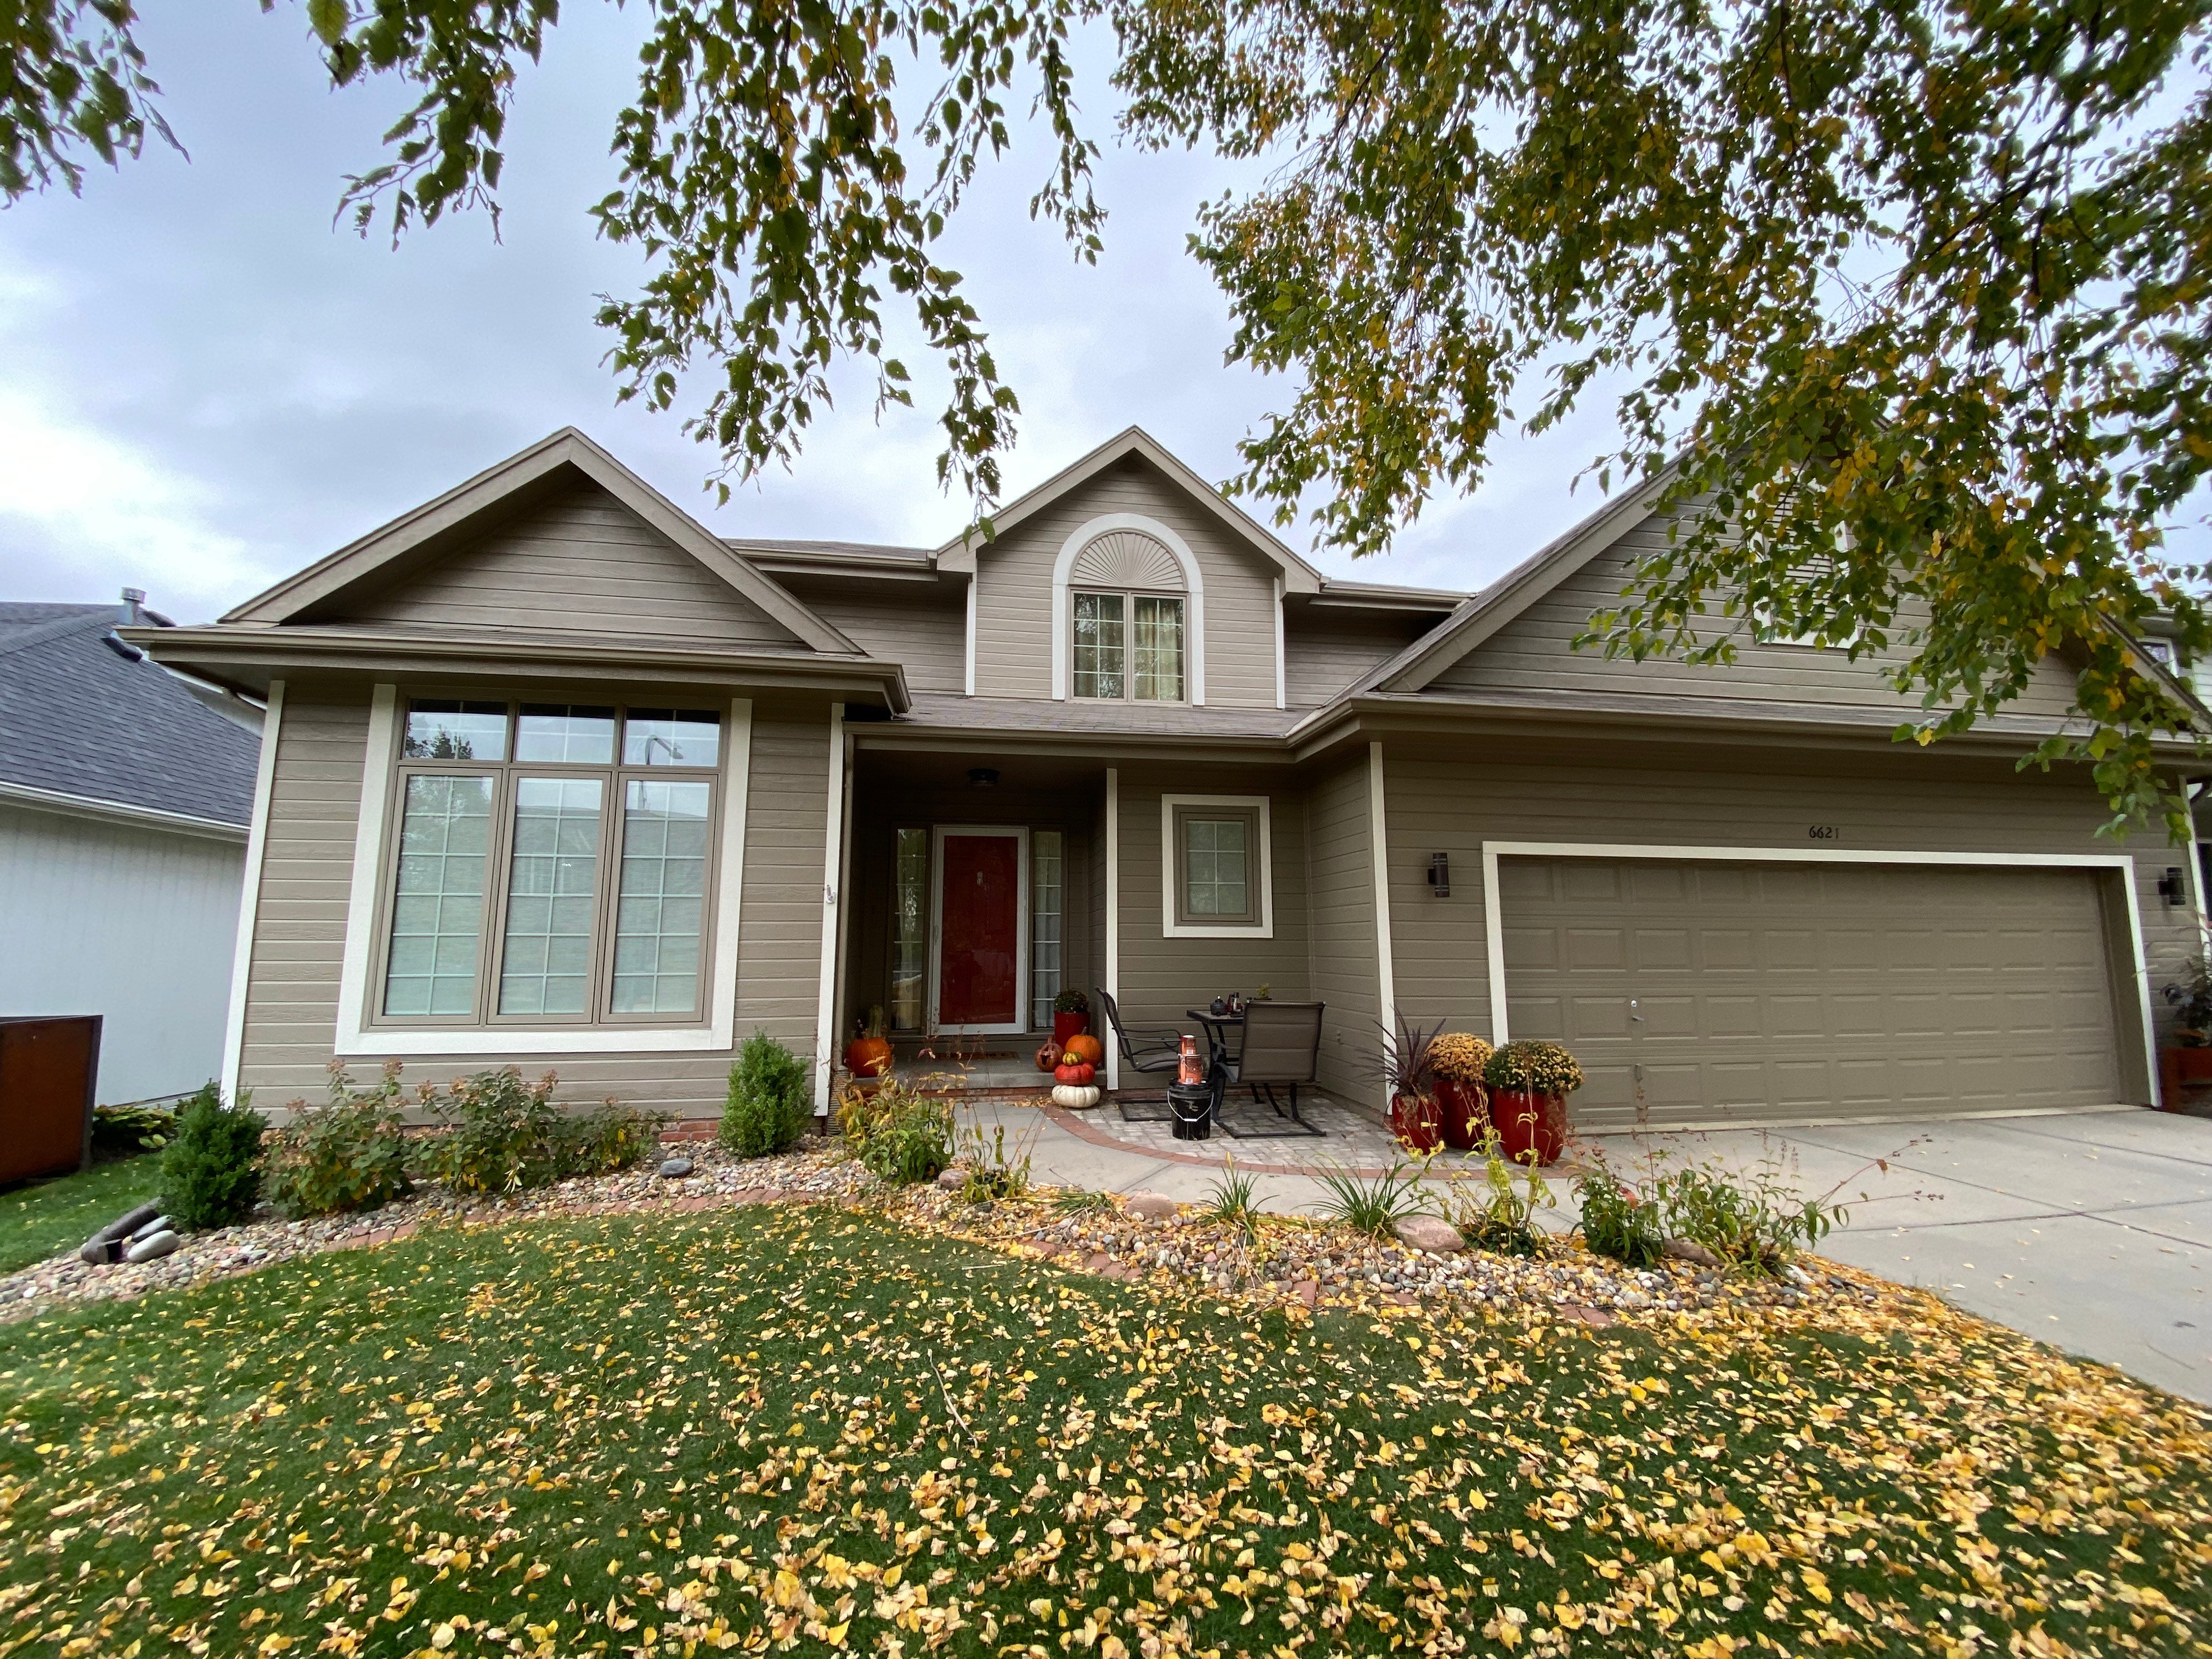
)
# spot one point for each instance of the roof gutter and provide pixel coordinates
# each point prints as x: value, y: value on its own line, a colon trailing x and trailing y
x: 116, y: 812
x: 233, y: 656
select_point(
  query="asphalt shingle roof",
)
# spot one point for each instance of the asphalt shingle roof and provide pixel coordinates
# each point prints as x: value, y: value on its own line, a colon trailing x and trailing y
x: 78, y: 717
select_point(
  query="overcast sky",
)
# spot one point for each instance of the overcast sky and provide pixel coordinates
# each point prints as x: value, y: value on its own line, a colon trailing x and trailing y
x: 208, y: 384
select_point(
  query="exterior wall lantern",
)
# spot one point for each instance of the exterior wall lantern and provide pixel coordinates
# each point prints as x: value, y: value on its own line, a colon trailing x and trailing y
x: 1440, y: 875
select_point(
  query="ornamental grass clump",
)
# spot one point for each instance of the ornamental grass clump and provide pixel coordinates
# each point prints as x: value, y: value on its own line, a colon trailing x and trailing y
x: 348, y: 1155
x: 1372, y: 1204
x: 1536, y: 1067
x: 1459, y: 1057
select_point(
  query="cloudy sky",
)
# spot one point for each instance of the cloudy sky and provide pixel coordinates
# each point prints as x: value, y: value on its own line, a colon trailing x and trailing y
x: 209, y: 383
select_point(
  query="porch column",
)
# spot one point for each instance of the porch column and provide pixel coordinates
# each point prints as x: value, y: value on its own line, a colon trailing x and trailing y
x: 1113, y: 914
x: 836, y: 827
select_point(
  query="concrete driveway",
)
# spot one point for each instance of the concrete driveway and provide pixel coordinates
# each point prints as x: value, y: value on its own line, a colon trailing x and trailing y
x: 2088, y: 1230
x: 2091, y: 1232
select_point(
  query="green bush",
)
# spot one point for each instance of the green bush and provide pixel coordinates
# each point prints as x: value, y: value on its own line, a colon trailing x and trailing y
x: 212, y: 1171
x: 901, y: 1134
x: 1616, y: 1222
x: 1751, y: 1221
x: 608, y: 1138
x: 349, y: 1154
x: 126, y: 1131
x: 503, y: 1135
x: 768, y: 1104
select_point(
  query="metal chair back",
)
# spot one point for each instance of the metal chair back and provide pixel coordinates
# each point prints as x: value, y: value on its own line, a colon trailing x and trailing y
x: 1282, y: 1042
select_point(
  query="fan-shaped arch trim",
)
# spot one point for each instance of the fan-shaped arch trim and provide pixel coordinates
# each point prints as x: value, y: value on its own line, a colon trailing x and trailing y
x: 1193, y: 582
x: 1127, y: 558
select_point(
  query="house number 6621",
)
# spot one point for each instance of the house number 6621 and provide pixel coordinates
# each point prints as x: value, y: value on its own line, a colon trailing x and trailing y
x: 1824, y: 832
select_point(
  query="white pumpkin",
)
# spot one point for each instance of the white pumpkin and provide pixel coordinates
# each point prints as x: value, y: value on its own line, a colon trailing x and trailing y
x: 1075, y: 1096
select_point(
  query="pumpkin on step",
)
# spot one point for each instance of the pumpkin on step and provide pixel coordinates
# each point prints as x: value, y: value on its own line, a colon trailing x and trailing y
x: 1075, y: 1070
x: 1047, y: 1055
x: 1087, y: 1048
x: 869, y: 1054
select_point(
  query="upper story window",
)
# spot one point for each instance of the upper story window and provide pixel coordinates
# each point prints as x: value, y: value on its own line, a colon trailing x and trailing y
x: 552, y: 864
x: 1128, y: 646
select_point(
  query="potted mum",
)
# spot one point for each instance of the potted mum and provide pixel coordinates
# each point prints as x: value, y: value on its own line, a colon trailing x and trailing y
x: 1408, y: 1066
x: 1070, y: 1015
x: 1529, y: 1083
x: 1458, y: 1060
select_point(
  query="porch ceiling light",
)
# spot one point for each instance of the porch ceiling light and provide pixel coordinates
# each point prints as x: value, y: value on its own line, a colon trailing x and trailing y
x: 982, y: 777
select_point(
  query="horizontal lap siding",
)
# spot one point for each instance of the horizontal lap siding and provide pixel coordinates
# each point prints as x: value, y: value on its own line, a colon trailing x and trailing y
x: 1013, y: 597
x: 306, y: 880
x: 1326, y: 650
x: 1915, y: 801
x: 1341, y: 895
x: 1162, y: 977
x: 1533, y: 651
x: 582, y: 563
x: 924, y: 631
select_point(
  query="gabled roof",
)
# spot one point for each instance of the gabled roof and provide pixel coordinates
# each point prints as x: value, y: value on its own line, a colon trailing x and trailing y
x: 1419, y: 665
x: 86, y: 719
x: 1298, y: 577
x: 568, y: 457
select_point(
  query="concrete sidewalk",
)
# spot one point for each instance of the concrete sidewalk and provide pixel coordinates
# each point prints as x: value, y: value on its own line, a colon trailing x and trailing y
x: 2091, y: 1231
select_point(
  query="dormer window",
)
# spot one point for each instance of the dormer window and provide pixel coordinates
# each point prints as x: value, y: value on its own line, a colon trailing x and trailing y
x: 1128, y: 646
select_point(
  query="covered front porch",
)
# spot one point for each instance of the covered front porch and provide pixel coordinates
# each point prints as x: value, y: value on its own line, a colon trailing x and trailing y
x: 982, y: 884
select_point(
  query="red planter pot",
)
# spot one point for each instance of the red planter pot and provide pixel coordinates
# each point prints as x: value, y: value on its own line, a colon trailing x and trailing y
x: 1067, y: 1025
x: 1417, y: 1122
x: 1529, y: 1123
x: 1466, y: 1112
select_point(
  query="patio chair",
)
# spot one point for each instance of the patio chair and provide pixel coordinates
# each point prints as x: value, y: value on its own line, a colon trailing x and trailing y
x: 1149, y: 1049
x: 1280, y: 1049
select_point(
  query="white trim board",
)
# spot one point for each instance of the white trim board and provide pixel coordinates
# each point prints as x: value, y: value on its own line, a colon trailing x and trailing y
x: 1379, y: 832
x: 353, y: 1037
x: 92, y: 809
x: 1019, y: 835
x: 832, y: 862
x: 1063, y: 568
x: 249, y: 893
x: 1493, y: 923
x: 1169, y: 928
x: 1114, y: 914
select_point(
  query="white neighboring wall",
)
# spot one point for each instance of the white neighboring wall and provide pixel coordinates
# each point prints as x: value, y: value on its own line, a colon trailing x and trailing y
x: 138, y: 924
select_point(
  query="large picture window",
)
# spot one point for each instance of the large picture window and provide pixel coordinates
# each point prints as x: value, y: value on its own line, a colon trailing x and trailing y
x: 1128, y: 646
x: 552, y: 864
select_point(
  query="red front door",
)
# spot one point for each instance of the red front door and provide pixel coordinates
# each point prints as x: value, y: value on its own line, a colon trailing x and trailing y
x: 980, y: 921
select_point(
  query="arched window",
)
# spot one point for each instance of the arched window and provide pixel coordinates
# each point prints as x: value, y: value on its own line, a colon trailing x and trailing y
x: 1130, y: 608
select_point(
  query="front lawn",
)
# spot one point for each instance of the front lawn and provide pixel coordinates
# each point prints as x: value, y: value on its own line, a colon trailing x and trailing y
x: 49, y: 1216
x: 765, y: 1428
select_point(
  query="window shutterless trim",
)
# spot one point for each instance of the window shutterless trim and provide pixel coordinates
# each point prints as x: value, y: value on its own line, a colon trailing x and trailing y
x: 360, y: 983
x: 1063, y: 617
x: 1172, y: 870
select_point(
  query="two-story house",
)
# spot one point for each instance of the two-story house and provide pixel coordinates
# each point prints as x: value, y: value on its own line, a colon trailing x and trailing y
x: 553, y: 775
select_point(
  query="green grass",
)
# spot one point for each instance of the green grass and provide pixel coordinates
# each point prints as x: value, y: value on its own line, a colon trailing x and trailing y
x: 662, y: 1436
x: 39, y: 1221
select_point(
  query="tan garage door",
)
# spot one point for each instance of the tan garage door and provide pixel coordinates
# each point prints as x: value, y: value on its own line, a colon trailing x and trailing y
x: 1727, y: 991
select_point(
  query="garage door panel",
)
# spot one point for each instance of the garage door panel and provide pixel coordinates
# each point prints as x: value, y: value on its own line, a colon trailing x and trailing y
x: 1812, y: 989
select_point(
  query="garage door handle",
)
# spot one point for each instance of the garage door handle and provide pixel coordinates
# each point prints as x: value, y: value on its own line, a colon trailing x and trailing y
x: 1632, y: 1014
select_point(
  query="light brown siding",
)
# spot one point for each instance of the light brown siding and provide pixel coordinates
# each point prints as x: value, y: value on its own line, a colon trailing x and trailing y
x: 581, y: 563
x: 307, y: 878
x: 1535, y: 650
x: 1013, y: 615
x: 921, y: 629
x: 1325, y: 649
x: 1343, y: 973
x: 1162, y: 977
x: 1441, y: 801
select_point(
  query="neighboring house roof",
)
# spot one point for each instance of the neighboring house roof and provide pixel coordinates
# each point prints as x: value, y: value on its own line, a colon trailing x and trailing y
x: 85, y: 721
x: 567, y: 457
x: 1298, y: 577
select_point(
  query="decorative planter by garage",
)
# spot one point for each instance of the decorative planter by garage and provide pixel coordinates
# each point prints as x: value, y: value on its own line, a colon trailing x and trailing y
x: 1466, y: 1108
x: 1417, y: 1121
x: 1529, y: 1083
x: 1527, y: 1122
x: 2181, y: 1069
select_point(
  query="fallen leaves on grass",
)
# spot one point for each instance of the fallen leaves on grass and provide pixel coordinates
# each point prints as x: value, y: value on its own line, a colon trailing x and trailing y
x: 816, y: 1431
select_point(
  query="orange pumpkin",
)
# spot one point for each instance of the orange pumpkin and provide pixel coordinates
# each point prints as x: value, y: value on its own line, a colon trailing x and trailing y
x: 1088, y: 1048
x: 868, y: 1057
x: 1071, y: 1070
x: 1048, y: 1056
